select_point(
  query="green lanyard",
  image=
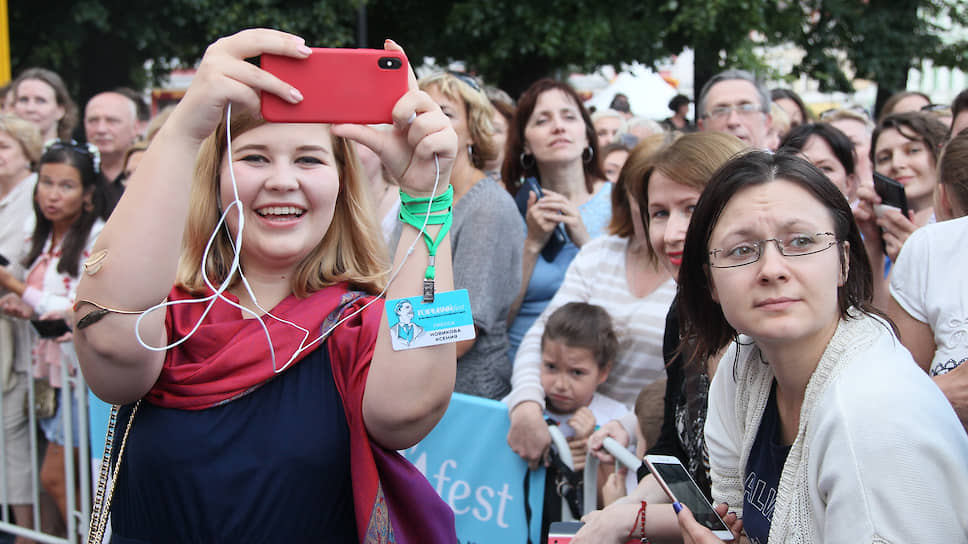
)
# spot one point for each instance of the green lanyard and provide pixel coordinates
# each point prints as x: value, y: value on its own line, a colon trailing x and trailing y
x: 413, y: 212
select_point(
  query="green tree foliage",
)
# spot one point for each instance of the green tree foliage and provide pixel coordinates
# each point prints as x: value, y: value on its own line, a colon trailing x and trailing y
x: 100, y: 44
x: 514, y: 42
x: 881, y: 39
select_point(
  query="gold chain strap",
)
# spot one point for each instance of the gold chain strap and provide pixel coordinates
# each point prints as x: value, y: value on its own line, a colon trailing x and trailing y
x: 102, y: 499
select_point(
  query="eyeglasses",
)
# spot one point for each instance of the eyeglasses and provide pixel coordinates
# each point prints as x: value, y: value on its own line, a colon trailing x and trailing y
x: 938, y: 108
x: 796, y: 245
x: 721, y: 112
x: 855, y: 109
x: 466, y: 78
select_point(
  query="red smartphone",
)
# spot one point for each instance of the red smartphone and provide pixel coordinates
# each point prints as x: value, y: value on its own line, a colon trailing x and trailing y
x: 358, y: 86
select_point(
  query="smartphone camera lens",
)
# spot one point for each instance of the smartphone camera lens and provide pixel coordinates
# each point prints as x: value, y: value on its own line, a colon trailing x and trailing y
x: 390, y: 63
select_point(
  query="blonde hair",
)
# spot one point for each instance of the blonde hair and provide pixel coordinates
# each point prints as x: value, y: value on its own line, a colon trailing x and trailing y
x: 352, y: 250
x: 27, y: 135
x: 478, y: 109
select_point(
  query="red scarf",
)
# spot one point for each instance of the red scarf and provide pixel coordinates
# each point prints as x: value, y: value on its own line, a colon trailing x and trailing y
x: 228, y: 356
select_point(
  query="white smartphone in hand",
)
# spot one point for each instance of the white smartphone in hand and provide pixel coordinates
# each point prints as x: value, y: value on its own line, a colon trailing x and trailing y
x: 679, y: 486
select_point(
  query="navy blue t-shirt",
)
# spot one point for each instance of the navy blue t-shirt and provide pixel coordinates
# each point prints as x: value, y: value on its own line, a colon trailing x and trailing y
x: 763, y: 470
x: 271, y: 466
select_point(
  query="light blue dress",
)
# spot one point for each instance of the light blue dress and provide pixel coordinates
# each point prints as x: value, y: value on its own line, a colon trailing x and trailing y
x: 548, y: 276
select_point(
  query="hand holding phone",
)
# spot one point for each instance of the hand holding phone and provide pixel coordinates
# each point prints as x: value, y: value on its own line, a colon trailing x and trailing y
x: 558, y: 236
x: 679, y: 486
x: 891, y: 193
x: 358, y: 86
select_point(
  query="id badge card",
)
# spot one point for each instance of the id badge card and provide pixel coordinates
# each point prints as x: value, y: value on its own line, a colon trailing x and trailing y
x: 417, y: 324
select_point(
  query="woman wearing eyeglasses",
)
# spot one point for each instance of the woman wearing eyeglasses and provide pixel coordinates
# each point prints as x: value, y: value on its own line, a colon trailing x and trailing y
x: 821, y: 427
x: 69, y: 209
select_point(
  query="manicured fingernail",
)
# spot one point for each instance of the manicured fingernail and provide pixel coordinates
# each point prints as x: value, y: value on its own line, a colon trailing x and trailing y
x: 295, y: 94
x: 677, y: 507
x: 411, y: 118
x: 305, y: 50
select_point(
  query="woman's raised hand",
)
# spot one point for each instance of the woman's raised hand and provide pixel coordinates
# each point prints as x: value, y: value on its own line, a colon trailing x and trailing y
x: 420, y: 131
x: 225, y: 77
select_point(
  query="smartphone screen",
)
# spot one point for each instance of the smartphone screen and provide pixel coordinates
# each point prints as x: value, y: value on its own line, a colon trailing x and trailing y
x: 683, y: 489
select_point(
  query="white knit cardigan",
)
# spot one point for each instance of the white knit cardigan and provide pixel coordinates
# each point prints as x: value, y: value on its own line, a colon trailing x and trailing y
x: 879, y: 455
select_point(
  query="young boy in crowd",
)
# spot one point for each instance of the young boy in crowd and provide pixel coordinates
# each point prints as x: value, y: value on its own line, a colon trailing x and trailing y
x: 577, y: 350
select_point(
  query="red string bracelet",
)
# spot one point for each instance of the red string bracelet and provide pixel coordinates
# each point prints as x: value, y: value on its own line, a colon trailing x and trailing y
x: 640, y: 515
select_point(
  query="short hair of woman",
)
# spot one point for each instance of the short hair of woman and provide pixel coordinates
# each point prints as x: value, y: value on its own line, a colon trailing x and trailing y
x: 479, y: 112
x: 27, y: 135
x: 691, y: 161
x: 701, y: 318
x: 93, y: 183
x: 777, y: 94
x: 915, y: 126
x: 633, y: 172
x: 67, y: 123
x: 352, y: 249
x: 513, y: 170
x: 839, y: 143
x: 891, y: 102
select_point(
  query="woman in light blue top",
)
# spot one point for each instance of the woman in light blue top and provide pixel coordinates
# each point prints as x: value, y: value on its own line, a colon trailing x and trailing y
x: 551, y: 147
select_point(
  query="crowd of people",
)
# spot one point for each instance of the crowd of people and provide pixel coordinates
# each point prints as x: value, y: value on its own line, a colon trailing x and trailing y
x: 731, y: 291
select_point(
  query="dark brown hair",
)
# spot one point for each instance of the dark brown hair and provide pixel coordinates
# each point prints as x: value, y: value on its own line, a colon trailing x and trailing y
x: 512, y: 171
x: 702, y: 321
x: 915, y: 126
x: 92, y: 183
x: 583, y: 325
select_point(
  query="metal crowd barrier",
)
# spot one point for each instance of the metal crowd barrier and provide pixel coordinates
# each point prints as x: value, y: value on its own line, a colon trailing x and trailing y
x: 79, y: 514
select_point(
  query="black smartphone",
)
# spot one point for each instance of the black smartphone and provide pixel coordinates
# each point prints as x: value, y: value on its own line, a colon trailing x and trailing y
x: 4, y: 261
x: 891, y: 192
x: 50, y: 328
x: 558, y: 236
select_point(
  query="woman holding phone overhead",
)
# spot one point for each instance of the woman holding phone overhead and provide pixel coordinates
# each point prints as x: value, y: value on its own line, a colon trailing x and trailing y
x: 821, y: 427
x: 552, y: 149
x: 293, y: 441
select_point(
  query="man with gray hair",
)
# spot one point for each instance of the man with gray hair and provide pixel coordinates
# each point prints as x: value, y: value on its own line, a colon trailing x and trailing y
x: 734, y: 101
x: 111, y: 124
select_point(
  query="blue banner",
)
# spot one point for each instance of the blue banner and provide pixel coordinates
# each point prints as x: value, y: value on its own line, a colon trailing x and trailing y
x: 468, y: 461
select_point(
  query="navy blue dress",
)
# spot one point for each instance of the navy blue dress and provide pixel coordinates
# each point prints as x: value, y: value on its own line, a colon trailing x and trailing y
x: 272, y: 466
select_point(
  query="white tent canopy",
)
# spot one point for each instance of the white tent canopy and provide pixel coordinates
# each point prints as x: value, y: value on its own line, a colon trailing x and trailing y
x: 648, y: 93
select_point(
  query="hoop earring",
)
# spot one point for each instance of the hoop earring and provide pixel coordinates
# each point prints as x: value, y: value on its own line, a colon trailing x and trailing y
x: 527, y: 161
x: 591, y: 154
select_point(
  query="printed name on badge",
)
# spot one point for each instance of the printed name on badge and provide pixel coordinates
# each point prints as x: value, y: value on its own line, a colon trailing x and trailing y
x: 415, y: 324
